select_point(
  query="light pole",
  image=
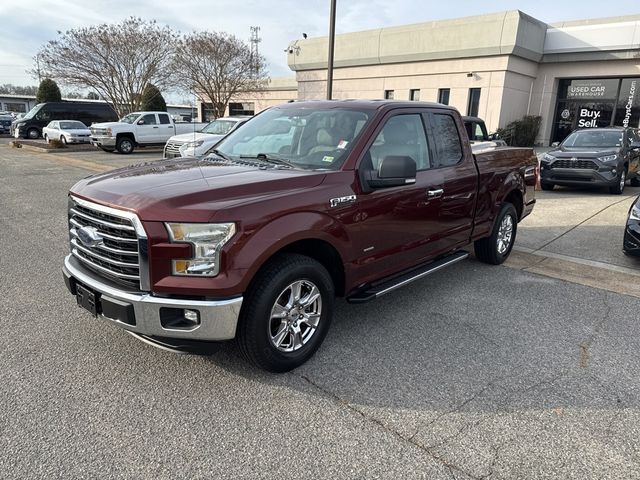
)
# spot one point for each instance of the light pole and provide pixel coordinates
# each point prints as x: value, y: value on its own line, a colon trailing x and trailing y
x: 332, y: 38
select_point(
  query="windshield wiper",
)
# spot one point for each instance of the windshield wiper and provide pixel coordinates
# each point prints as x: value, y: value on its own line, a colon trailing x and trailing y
x: 221, y: 155
x: 271, y: 159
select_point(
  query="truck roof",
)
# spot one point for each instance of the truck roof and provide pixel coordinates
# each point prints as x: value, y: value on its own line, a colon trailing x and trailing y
x: 362, y: 104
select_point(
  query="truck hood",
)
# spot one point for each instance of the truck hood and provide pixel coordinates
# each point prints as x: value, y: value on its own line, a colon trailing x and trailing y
x: 191, y: 190
x: 109, y: 124
x: 191, y: 137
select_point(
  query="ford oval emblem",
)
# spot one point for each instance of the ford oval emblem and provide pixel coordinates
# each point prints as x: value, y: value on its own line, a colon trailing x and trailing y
x: 89, y: 236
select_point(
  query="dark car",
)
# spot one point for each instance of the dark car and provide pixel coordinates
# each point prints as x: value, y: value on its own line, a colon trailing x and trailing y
x: 603, y: 157
x: 31, y: 125
x: 631, y: 242
x: 5, y: 123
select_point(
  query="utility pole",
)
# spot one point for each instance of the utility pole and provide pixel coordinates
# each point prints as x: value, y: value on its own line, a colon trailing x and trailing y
x: 332, y: 38
x: 254, y: 41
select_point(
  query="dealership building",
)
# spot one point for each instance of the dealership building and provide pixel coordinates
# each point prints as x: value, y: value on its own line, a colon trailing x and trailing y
x: 499, y: 66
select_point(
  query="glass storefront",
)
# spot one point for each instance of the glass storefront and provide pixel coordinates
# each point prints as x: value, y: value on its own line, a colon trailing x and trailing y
x: 596, y: 102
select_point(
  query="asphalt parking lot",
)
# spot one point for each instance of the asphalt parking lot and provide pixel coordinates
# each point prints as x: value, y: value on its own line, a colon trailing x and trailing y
x: 520, y: 371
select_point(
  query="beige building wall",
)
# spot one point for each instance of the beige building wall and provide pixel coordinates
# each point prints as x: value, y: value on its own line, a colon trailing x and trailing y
x: 459, y: 75
x: 280, y: 90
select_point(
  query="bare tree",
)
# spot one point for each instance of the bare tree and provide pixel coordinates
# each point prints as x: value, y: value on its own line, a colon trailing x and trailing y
x: 115, y: 60
x: 218, y: 66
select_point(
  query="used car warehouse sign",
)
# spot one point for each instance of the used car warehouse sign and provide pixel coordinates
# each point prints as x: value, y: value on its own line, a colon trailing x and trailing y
x: 593, y: 89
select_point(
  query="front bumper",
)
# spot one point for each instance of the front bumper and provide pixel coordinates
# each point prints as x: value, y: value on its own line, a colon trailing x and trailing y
x: 103, y: 141
x: 631, y: 242
x: 579, y: 176
x: 140, y: 312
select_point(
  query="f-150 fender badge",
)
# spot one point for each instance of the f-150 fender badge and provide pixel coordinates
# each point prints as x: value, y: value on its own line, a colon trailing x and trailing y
x: 335, y: 202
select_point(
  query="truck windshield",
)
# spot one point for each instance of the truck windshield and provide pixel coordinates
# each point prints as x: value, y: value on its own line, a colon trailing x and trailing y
x: 218, y: 127
x: 129, y: 118
x: 308, y: 139
x: 594, y: 138
x: 33, y: 111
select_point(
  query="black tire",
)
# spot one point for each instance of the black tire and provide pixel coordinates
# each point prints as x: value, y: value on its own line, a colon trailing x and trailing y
x: 125, y: 145
x: 256, y: 327
x: 547, y: 186
x: 63, y: 139
x: 635, y: 182
x: 33, y: 133
x: 108, y: 150
x: 618, y: 188
x: 490, y: 249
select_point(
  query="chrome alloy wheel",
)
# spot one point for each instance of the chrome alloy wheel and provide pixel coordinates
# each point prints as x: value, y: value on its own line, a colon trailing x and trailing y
x: 623, y: 179
x: 295, y: 316
x: 505, y: 234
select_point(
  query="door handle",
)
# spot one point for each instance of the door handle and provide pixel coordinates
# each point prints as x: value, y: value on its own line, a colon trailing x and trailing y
x: 435, y: 193
x: 156, y: 127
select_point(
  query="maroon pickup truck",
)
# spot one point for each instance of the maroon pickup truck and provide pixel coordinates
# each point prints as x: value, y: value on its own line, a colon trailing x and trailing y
x: 306, y: 202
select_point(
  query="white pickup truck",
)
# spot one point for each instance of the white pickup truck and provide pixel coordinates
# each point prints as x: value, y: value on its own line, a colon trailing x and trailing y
x: 138, y: 129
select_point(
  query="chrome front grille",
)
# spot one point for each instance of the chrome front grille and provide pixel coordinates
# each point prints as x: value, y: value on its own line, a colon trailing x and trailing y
x: 584, y: 164
x: 118, y: 255
x: 172, y: 149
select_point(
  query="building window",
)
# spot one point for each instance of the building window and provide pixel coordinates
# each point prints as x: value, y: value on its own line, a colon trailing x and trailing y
x: 443, y: 96
x: 474, y: 102
x: 388, y: 94
x: 246, y: 108
x: 15, y: 107
x: 414, y: 94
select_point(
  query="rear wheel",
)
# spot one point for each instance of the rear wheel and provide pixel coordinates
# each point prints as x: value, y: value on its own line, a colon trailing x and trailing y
x: 286, y: 313
x: 125, y: 145
x: 619, y: 187
x: 495, y: 248
x: 546, y: 186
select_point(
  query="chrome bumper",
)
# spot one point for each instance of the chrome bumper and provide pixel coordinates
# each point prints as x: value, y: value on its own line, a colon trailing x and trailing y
x: 218, y: 318
x: 103, y: 141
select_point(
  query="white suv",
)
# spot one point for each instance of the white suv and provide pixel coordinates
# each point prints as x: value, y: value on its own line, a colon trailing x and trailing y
x: 196, y: 144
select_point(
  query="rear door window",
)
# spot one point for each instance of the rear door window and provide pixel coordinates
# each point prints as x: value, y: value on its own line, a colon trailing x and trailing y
x: 448, y: 148
x: 164, y: 118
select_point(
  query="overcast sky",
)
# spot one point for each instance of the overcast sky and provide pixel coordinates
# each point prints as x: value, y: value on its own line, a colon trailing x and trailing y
x: 26, y: 25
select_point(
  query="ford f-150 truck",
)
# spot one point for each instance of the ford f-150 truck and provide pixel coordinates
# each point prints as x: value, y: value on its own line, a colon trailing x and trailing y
x: 138, y: 129
x: 256, y: 240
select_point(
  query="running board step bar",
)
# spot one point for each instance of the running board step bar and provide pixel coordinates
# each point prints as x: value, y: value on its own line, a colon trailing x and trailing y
x: 375, y: 290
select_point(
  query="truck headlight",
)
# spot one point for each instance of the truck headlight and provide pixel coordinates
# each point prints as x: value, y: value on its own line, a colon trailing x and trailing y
x: 207, y: 240
x: 195, y: 144
x: 608, y: 158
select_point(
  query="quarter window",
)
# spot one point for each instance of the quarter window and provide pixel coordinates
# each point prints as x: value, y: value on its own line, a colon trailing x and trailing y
x: 447, y: 140
x: 402, y: 135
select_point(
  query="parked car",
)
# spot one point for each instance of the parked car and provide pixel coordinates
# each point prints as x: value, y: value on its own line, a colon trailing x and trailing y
x: 67, y: 131
x: 31, y: 125
x: 197, y: 144
x: 606, y: 157
x: 5, y: 123
x: 256, y: 240
x: 631, y: 241
x: 138, y: 129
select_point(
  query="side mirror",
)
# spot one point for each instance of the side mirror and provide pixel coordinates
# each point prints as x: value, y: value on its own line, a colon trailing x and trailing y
x: 555, y: 144
x: 140, y: 122
x: 394, y: 171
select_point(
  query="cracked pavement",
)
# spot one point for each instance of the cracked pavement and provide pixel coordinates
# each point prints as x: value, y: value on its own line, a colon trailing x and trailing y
x: 475, y: 372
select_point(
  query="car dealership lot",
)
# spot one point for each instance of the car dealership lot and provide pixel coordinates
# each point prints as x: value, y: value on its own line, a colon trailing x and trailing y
x: 473, y: 371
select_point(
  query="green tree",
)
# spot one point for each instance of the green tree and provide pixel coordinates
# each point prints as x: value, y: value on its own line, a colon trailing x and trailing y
x: 93, y: 96
x: 152, y: 100
x: 48, y: 92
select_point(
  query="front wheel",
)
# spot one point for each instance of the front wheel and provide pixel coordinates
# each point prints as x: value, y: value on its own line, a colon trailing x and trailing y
x: 286, y: 313
x: 63, y: 139
x: 495, y: 248
x: 125, y: 145
x: 618, y: 188
x: 33, y: 133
